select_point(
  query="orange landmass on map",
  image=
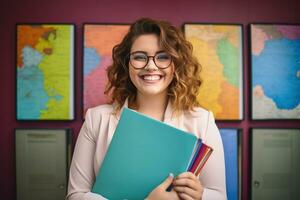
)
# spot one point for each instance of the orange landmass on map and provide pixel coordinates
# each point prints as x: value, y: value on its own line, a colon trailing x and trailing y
x: 104, y: 38
x: 30, y: 36
x: 229, y: 111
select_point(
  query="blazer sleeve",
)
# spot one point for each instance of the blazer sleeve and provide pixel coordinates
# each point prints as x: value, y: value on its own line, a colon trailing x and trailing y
x: 212, y: 175
x: 82, y: 176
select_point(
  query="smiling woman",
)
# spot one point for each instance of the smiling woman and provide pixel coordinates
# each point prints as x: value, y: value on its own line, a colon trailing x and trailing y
x: 150, y: 80
x: 154, y: 73
x: 183, y: 89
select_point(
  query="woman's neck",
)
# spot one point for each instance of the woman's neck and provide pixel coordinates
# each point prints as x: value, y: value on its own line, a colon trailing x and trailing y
x: 153, y: 106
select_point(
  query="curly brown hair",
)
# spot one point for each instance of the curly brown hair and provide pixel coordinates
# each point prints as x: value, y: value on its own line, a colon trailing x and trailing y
x: 183, y: 89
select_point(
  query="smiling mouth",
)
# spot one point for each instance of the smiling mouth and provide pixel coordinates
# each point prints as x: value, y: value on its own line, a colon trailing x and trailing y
x: 151, y: 77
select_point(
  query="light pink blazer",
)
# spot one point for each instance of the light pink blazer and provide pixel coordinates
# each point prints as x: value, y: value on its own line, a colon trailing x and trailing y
x: 96, y: 134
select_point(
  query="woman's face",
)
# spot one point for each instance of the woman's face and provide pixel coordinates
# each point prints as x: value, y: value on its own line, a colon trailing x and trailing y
x: 150, y: 80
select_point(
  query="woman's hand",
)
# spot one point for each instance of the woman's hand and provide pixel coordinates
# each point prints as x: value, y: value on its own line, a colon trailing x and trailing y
x: 160, y: 193
x: 188, y: 186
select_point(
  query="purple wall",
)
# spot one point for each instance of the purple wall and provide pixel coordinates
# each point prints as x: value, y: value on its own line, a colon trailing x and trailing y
x: 105, y: 11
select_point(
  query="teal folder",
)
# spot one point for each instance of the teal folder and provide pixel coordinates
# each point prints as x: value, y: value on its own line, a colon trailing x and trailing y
x: 142, y: 153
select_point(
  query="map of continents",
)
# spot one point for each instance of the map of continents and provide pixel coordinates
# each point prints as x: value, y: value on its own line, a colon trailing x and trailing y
x: 218, y: 49
x: 44, y: 72
x: 99, y: 41
x: 275, y: 71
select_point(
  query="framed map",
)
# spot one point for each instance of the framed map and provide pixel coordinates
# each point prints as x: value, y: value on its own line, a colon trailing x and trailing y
x: 275, y: 65
x: 45, y: 72
x: 275, y: 164
x: 99, y: 40
x: 218, y: 48
x: 232, y: 142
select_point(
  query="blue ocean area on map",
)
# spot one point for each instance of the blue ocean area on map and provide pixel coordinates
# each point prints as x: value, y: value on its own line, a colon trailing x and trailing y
x: 91, y: 60
x: 280, y: 58
x: 32, y: 97
x: 31, y: 56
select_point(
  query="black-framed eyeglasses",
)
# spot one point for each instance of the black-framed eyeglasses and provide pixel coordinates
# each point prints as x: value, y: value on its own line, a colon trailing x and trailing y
x: 140, y: 59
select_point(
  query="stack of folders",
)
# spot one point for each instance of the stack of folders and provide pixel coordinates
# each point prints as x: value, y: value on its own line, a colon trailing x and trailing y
x: 142, y: 153
x: 199, y: 157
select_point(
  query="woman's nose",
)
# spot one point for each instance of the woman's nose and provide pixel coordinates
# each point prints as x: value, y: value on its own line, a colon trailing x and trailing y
x: 151, y: 64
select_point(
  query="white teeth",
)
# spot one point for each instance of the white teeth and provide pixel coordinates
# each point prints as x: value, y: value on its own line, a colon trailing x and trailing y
x: 151, y: 78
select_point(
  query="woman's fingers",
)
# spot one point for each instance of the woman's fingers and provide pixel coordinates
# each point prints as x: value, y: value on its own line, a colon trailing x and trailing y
x: 185, y: 182
x: 167, y: 182
x: 186, y: 190
x: 188, y: 186
x: 185, y: 196
x: 160, y: 191
x: 189, y: 175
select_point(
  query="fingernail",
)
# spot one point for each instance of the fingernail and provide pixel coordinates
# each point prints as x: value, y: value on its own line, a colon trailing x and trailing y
x: 171, y: 175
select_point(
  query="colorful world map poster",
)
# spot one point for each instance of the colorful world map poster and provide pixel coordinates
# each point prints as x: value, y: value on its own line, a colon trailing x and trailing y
x: 275, y: 56
x: 218, y: 49
x: 45, y: 66
x: 99, y: 40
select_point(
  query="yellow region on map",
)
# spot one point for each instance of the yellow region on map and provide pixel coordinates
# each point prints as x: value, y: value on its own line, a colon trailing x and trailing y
x: 57, y: 71
x: 219, y: 92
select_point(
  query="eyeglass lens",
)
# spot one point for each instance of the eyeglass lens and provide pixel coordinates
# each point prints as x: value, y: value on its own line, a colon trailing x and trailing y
x: 140, y: 60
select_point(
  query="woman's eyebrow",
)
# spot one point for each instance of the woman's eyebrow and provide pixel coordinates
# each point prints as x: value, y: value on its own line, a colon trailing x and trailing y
x: 144, y: 52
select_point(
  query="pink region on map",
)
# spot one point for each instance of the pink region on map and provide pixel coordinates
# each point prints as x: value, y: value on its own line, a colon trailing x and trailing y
x: 94, y: 85
x: 258, y: 91
x: 290, y: 32
x: 259, y: 38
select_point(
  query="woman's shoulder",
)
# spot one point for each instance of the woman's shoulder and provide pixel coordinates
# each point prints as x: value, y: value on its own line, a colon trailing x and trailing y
x: 198, y: 112
x: 104, y: 109
x: 197, y: 121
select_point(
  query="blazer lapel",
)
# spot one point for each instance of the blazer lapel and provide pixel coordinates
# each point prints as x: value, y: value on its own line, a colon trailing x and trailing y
x: 113, y: 122
x: 172, y: 119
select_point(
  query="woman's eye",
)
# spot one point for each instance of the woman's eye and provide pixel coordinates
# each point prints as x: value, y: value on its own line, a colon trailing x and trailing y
x: 140, y: 57
x: 163, y: 57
